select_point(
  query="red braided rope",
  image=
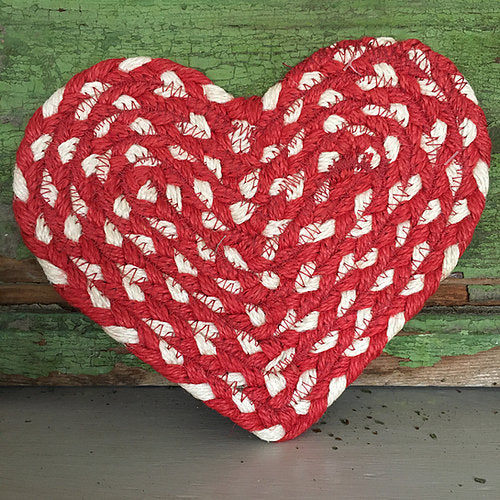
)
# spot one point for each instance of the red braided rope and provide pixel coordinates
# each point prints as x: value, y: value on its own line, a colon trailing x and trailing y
x: 262, y: 251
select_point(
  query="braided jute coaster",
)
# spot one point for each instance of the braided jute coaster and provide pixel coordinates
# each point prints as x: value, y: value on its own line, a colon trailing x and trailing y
x: 258, y: 251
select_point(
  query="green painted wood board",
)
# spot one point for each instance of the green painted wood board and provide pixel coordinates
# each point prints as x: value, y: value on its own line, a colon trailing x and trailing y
x: 34, y: 344
x: 244, y: 47
x: 240, y: 45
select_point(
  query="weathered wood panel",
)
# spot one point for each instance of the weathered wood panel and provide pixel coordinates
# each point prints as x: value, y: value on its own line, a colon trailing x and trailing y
x: 244, y: 47
x: 452, y: 293
x: 23, y: 282
x: 442, y: 346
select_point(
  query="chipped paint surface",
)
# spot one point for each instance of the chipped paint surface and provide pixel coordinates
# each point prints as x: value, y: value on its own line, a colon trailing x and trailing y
x: 35, y: 345
x: 452, y: 334
x: 38, y: 344
x: 428, y: 349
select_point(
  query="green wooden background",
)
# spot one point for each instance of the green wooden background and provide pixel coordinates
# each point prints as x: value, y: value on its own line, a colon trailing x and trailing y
x: 243, y: 46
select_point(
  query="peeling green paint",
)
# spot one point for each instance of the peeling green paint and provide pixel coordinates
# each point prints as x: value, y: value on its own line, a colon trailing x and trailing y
x: 241, y: 46
x: 34, y: 344
x: 455, y: 320
x: 428, y: 349
x: 453, y: 334
x: 484, y: 293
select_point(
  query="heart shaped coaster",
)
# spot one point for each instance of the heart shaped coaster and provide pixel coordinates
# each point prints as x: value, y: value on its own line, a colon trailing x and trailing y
x: 260, y: 252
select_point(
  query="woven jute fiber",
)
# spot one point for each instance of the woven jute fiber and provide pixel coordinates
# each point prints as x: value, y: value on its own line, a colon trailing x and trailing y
x: 258, y: 251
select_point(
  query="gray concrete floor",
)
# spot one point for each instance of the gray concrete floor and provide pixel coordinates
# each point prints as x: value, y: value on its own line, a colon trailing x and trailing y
x: 129, y: 443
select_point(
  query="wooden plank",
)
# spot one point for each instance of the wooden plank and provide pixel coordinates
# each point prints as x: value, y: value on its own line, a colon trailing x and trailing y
x: 119, y: 375
x: 481, y: 369
x: 450, y: 293
x: 439, y: 347
x: 21, y: 271
x: 25, y: 293
x: 242, y: 47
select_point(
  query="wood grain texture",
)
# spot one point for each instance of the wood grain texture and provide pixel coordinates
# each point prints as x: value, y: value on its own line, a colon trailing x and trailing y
x: 442, y: 346
x: 478, y: 370
x: 23, y: 282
